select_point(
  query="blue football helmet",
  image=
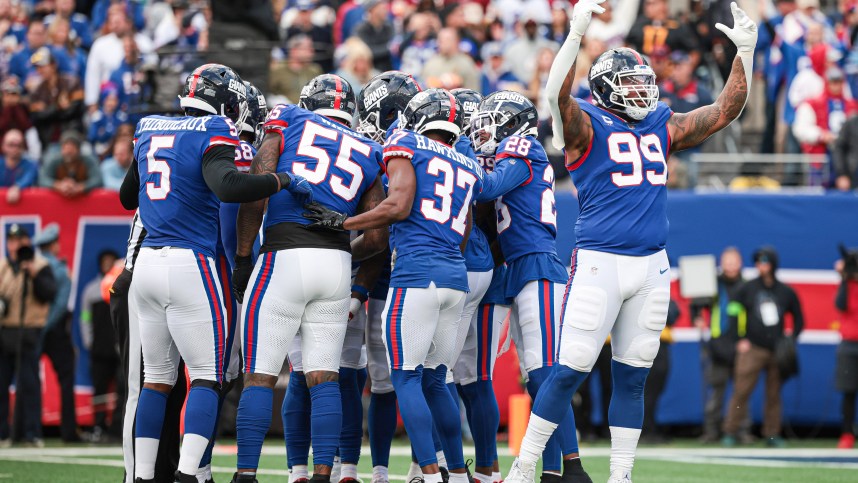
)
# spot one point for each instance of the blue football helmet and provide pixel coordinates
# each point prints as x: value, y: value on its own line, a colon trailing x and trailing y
x: 257, y: 111
x: 622, y: 81
x: 500, y: 115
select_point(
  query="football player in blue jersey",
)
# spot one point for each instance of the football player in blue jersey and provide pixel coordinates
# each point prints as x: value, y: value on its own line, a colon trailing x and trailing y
x: 616, y: 151
x: 522, y: 183
x: 379, y: 104
x: 182, y: 169
x: 431, y: 187
x: 249, y: 131
x: 301, y: 280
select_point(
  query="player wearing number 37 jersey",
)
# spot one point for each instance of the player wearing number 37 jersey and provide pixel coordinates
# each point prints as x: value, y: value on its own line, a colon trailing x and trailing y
x: 616, y: 152
x: 431, y: 188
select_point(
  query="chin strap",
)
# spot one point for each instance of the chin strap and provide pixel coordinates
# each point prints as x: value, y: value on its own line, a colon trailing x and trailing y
x: 564, y: 61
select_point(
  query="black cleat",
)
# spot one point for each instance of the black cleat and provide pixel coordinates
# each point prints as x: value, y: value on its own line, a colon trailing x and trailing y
x: 180, y: 477
x: 141, y: 480
x: 317, y: 478
x: 573, y: 472
x: 550, y: 478
x: 445, y: 474
x: 468, y: 464
x: 416, y: 479
x: 243, y: 478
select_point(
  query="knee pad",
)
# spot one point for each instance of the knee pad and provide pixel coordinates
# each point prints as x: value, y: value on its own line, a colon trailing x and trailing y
x: 641, y: 351
x: 581, y: 353
x: 213, y: 385
x: 654, y: 313
x: 585, y: 308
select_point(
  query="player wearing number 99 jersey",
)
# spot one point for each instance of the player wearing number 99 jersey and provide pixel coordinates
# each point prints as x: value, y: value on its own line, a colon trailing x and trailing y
x: 302, y: 278
x: 182, y: 168
x: 616, y: 151
x: 522, y: 183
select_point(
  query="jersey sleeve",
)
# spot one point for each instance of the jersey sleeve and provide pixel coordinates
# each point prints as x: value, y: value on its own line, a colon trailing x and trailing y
x: 516, y: 147
x: 400, y: 145
x: 279, y: 118
x: 221, y: 132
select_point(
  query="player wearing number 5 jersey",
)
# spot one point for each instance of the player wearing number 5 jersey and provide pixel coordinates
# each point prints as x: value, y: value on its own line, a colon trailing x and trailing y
x: 431, y: 187
x: 182, y: 168
x: 522, y: 183
x: 620, y: 281
x: 302, y: 277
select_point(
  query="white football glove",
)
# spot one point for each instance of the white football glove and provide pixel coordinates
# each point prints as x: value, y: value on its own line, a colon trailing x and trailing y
x: 581, y: 15
x: 354, y: 306
x: 744, y: 31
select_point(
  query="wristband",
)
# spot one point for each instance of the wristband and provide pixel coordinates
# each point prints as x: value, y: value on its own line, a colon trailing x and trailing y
x: 361, y: 290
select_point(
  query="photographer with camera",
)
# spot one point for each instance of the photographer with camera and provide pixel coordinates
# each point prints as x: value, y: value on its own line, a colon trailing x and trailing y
x: 846, y: 376
x: 27, y: 288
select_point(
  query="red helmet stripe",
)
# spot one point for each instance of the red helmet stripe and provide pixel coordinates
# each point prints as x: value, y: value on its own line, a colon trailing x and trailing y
x: 196, y: 78
x: 339, y: 90
x: 638, y: 56
x: 452, y: 117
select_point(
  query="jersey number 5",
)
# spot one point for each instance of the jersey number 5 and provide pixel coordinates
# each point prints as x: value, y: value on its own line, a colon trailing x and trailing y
x: 623, y: 147
x: 444, y: 191
x: 160, y: 190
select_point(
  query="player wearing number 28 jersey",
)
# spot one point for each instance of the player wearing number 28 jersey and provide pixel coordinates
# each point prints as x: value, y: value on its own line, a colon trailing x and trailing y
x: 302, y: 278
x: 522, y: 183
x: 616, y: 152
x: 182, y: 169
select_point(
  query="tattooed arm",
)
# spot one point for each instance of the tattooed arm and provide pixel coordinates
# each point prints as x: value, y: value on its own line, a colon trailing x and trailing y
x: 373, y: 241
x: 250, y: 214
x: 689, y: 130
x: 402, y: 185
x: 692, y: 128
x: 577, y: 126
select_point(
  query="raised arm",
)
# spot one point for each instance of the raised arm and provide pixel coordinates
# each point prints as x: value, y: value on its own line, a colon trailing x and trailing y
x: 690, y: 129
x: 571, y: 126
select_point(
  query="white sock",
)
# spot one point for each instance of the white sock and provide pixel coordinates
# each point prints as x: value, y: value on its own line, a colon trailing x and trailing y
x: 458, y: 478
x: 413, y: 470
x: 348, y: 470
x: 298, y: 472
x: 442, y: 460
x: 145, y: 453
x: 335, y: 469
x: 432, y: 478
x: 535, y: 438
x: 380, y: 473
x: 496, y: 477
x: 624, y: 442
x: 193, y: 447
x: 204, y: 474
x: 482, y: 478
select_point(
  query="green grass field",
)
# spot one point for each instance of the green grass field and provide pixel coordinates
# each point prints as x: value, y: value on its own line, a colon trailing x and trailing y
x: 683, y: 461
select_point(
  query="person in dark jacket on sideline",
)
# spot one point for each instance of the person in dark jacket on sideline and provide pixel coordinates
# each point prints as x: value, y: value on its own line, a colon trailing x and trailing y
x: 760, y: 309
x: 846, y: 377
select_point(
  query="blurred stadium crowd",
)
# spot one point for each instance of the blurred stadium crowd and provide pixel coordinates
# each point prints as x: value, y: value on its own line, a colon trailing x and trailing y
x: 76, y: 75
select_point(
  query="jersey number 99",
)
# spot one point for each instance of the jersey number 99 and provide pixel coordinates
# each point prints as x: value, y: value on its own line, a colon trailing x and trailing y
x: 623, y: 147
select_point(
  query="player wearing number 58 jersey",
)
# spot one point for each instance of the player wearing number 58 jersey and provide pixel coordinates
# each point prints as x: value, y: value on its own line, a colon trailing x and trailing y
x: 616, y: 152
x: 302, y: 278
x: 430, y: 191
x: 182, y: 168
x: 522, y: 183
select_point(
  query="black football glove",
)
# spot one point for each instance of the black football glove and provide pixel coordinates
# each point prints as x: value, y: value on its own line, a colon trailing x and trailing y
x: 241, y: 276
x: 324, y: 218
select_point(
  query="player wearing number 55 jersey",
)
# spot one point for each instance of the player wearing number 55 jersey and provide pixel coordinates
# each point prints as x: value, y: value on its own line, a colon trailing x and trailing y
x: 522, y: 183
x: 182, y: 169
x: 431, y: 187
x: 620, y: 281
x: 302, y: 278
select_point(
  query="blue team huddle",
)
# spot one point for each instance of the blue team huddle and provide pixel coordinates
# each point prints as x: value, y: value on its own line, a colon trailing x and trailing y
x: 388, y: 236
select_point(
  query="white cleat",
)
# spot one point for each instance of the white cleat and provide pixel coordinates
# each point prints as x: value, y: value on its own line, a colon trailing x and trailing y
x: 620, y: 476
x: 521, y: 472
x: 335, y: 469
